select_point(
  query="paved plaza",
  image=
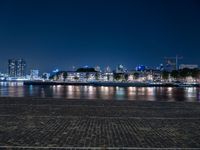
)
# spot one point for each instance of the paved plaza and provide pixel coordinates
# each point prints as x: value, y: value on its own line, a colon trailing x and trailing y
x: 34, y: 123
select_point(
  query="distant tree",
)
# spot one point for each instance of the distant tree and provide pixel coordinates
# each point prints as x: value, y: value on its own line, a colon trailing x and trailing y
x: 87, y: 76
x: 175, y: 74
x: 97, y: 76
x: 51, y: 77
x: 165, y: 75
x: 136, y: 75
x: 76, y: 78
x: 54, y: 77
x: 58, y: 75
x: 65, y: 75
x: 44, y: 76
x: 195, y: 73
x: 185, y: 73
x: 86, y: 70
x: 126, y: 77
x: 118, y: 76
x: 108, y: 77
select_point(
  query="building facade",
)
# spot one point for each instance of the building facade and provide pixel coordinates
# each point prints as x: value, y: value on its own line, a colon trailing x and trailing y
x: 34, y: 74
x: 189, y: 66
x: 16, y: 68
x: 170, y: 64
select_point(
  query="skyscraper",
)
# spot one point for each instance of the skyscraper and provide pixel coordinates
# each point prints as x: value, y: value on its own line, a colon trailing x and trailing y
x: 16, y: 67
x: 11, y: 67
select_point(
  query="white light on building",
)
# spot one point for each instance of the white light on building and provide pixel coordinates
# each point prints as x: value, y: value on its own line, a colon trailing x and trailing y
x: 34, y: 74
x: 189, y: 66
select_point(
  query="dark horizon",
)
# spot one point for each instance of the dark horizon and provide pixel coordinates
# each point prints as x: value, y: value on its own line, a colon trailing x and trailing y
x: 61, y: 34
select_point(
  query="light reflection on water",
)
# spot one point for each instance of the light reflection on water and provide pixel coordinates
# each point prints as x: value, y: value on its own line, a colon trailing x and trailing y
x: 16, y: 89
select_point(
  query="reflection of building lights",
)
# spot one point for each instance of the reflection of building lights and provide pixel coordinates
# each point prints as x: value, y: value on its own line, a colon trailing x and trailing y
x: 169, y: 92
x: 70, y: 91
x: 77, y: 88
x: 119, y: 91
x: 90, y: 88
x: 131, y: 91
x: 150, y: 91
x: 85, y: 88
x: 70, y: 88
x: 106, y: 89
x: 111, y: 89
x: 130, y: 88
x: 91, y: 92
x: 191, y: 92
x: 31, y: 89
x: 142, y: 89
x: 169, y: 89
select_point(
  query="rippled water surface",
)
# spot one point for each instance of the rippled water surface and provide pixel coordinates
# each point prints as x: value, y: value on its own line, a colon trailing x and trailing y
x: 17, y: 89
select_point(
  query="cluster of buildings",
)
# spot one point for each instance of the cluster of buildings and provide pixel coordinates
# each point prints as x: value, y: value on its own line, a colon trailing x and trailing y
x: 119, y: 74
x: 17, y: 70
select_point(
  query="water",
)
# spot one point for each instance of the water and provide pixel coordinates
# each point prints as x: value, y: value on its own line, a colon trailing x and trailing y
x: 17, y: 89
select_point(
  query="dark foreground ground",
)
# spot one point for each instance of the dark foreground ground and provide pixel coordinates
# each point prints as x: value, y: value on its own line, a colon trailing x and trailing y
x: 59, y: 124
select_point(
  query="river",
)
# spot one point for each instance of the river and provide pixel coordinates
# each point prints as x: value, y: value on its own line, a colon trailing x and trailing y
x: 17, y: 89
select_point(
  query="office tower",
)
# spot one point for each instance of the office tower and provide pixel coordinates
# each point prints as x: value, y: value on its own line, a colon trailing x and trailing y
x: 16, y: 68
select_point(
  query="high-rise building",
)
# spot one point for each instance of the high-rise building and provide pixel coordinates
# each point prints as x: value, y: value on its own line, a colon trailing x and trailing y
x: 21, y: 67
x: 11, y: 68
x: 16, y: 68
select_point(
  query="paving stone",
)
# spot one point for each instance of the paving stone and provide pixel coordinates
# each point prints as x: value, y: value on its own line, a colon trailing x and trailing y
x: 59, y: 124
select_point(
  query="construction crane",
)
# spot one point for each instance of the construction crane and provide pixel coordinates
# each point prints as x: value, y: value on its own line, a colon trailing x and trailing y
x: 176, y: 59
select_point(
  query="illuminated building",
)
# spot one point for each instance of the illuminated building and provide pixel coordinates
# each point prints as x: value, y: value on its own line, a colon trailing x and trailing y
x: 108, y: 69
x: 120, y: 69
x: 189, y: 66
x: 98, y: 69
x: 11, y: 68
x: 16, y: 68
x: 140, y: 68
x: 34, y: 74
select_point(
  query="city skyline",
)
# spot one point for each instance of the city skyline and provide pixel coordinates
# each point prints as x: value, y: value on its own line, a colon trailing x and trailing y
x: 165, y: 62
x: 51, y: 35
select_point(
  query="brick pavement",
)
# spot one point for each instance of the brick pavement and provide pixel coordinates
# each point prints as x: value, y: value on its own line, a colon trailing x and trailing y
x: 98, y: 124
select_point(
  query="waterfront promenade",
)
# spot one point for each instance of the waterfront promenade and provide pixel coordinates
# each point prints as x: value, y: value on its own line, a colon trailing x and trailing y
x: 35, y: 123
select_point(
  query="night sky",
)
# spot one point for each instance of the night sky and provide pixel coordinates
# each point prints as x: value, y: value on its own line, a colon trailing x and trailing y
x: 65, y: 33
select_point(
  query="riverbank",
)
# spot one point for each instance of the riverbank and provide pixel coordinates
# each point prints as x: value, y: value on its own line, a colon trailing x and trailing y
x: 97, y: 124
x: 119, y: 84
